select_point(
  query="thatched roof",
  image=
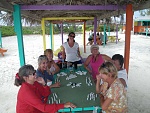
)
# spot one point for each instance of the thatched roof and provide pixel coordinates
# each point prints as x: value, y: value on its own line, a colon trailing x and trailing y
x: 100, y: 14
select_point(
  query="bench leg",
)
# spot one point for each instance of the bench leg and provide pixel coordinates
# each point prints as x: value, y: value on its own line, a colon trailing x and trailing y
x: 2, y: 53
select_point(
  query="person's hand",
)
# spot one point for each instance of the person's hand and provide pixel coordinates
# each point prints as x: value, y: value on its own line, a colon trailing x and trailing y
x: 52, y: 73
x: 40, y: 80
x: 69, y: 105
x: 98, y: 77
x: 104, y: 88
x: 56, y: 85
x: 90, y: 71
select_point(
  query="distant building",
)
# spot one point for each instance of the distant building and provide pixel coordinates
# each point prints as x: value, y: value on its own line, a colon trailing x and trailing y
x: 141, y: 25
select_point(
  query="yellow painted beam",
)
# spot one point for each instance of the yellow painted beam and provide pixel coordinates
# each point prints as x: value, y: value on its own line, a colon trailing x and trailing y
x: 43, y: 33
x: 70, y: 18
x: 84, y: 41
x: 83, y: 34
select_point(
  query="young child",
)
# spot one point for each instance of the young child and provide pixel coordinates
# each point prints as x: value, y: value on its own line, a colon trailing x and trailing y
x: 52, y: 66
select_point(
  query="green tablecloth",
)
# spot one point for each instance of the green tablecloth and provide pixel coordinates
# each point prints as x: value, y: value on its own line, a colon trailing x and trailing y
x: 76, y: 95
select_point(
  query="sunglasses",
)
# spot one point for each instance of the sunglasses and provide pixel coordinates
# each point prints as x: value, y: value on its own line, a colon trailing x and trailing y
x: 72, y: 36
x: 34, y: 73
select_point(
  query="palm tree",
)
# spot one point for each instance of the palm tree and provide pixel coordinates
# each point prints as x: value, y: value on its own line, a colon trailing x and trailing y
x: 7, y: 19
x: 144, y: 12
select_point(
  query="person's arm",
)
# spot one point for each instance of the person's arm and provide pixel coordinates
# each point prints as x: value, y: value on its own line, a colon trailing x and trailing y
x: 123, y: 82
x: 57, y: 69
x: 105, y: 103
x: 43, y: 89
x: 63, y: 53
x: 86, y: 63
x: 106, y: 58
x: 79, y: 52
x: 98, y: 86
x: 55, y: 85
x: 33, y: 100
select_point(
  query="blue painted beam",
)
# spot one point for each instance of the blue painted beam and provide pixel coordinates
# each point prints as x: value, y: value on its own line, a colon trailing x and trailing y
x: 18, y: 30
x: 51, y: 35
x: 71, y: 7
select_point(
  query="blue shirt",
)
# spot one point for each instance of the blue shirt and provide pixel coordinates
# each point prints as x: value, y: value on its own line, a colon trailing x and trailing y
x: 45, y: 75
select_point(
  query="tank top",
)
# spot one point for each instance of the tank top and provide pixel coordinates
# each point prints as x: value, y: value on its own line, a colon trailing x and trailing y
x: 52, y: 68
x: 71, y: 52
x: 95, y: 65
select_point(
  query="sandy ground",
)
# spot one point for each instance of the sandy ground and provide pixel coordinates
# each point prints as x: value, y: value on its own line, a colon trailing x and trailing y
x: 138, y: 77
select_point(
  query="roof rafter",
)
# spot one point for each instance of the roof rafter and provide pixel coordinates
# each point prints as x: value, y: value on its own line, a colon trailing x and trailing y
x: 71, y: 7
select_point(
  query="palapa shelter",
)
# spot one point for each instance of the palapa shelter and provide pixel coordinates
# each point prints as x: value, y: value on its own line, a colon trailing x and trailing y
x: 73, y: 9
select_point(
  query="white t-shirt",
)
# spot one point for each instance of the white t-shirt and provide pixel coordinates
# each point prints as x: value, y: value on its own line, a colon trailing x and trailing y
x: 123, y: 74
x: 71, y: 52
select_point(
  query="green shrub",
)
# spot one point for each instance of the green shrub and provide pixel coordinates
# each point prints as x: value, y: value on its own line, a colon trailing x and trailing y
x: 9, y: 30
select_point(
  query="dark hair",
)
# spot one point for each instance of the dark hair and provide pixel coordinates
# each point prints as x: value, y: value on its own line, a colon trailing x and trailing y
x: 97, y: 34
x: 69, y: 35
x: 119, y: 58
x: 25, y: 70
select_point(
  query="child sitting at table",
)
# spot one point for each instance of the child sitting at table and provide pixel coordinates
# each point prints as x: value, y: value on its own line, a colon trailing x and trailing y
x: 52, y: 66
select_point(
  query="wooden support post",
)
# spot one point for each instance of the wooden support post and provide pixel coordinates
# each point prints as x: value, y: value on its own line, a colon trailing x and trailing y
x: 147, y: 29
x: 95, y: 28
x: 109, y: 29
x: 62, y: 33
x: 51, y: 35
x: 129, y: 22
x: 84, y: 39
x: 104, y: 37
x: 18, y: 30
x: 116, y: 33
x: 43, y: 32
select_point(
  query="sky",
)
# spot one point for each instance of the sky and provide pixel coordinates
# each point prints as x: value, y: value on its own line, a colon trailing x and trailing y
x: 136, y: 14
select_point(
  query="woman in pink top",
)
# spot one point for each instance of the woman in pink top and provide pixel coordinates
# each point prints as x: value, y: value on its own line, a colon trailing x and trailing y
x: 95, y: 60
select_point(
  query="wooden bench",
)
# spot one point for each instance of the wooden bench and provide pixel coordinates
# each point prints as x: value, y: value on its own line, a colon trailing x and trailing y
x: 2, y: 51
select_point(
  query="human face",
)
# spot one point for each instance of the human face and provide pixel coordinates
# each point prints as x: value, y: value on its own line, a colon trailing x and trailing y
x: 43, y: 65
x: 49, y: 56
x: 71, y: 37
x: 95, y: 51
x: 31, y: 78
x: 117, y: 64
x: 104, y: 77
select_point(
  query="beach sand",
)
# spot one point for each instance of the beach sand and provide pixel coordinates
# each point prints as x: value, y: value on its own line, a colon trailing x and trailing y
x: 138, y: 77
